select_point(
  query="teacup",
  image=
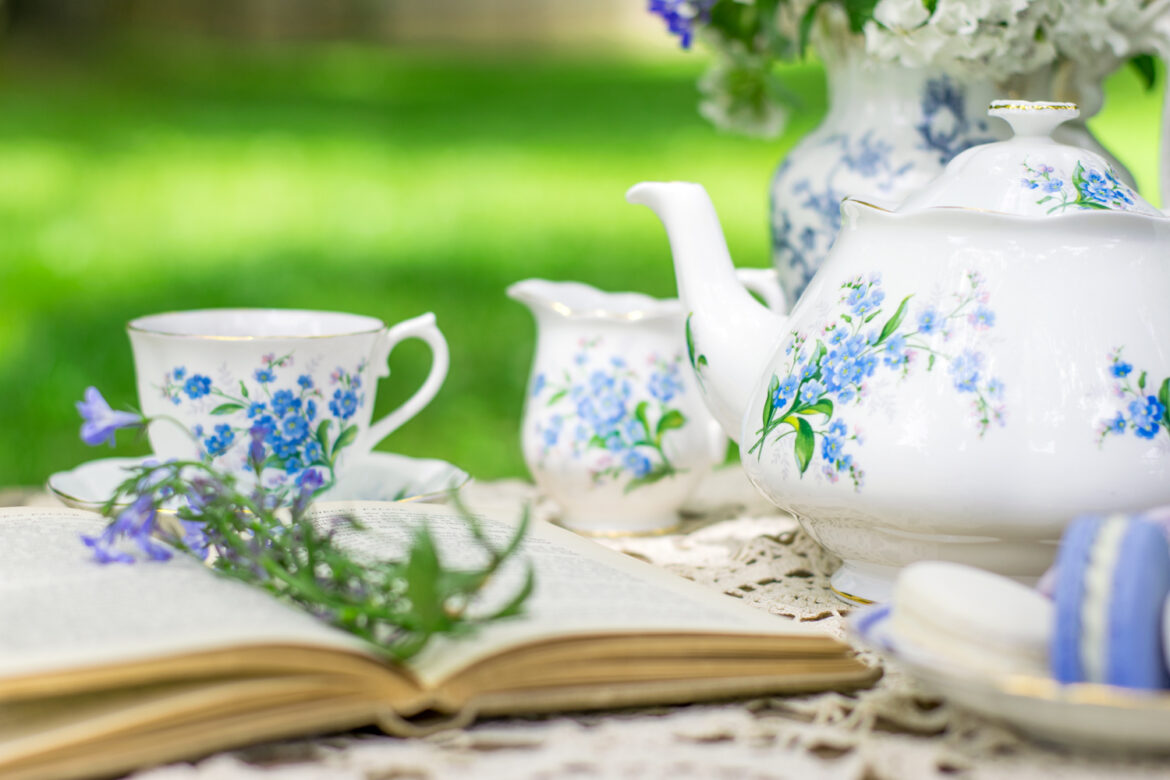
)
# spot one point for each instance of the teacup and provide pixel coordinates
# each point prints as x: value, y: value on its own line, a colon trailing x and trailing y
x: 302, y: 382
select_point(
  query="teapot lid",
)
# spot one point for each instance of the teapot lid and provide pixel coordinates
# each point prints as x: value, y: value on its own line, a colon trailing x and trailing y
x: 1030, y: 174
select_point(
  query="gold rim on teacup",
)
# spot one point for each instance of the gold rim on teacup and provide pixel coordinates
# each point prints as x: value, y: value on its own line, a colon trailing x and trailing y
x: 135, y: 325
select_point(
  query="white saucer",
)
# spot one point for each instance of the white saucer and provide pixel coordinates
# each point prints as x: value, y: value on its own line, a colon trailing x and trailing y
x: 379, y: 476
x: 1079, y: 715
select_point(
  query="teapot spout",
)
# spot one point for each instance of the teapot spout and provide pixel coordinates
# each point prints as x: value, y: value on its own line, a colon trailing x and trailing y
x: 730, y: 336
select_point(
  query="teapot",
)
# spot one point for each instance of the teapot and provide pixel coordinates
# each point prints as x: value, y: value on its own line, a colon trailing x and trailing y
x: 965, y: 374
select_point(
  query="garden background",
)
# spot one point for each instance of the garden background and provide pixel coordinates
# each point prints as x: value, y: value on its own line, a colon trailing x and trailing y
x: 420, y: 163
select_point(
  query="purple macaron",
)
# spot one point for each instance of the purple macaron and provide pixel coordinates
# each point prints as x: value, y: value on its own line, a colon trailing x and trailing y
x: 1112, y: 582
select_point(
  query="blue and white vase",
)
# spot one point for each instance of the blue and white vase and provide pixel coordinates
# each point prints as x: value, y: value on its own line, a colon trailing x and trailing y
x: 889, y: 131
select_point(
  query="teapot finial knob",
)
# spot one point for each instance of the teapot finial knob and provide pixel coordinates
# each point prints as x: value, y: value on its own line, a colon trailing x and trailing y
x: 1033, y: 119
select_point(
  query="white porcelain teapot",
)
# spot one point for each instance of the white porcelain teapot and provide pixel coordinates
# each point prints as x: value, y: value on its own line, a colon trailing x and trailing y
x: 964, y: 375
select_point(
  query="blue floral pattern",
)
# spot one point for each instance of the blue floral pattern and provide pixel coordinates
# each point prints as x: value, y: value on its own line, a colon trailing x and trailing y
x: 807, y: 212
x: 603, y: 409
x: 945, y: 128
x: 1145, y: 411
x: 1086, y: 189
x: 303, y: 430
x: 826, y: 374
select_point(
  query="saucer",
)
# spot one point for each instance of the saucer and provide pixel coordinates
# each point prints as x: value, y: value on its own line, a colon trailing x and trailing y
x: 378, y: 476
x: 1078, y: 714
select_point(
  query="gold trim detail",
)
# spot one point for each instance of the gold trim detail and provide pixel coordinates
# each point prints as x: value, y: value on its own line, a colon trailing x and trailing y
x: 851, y: 598
x: 132, y: 328
x: 1017, y: 105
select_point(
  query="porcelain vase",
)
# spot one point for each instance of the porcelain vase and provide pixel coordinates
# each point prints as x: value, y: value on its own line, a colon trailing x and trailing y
x: 889, y: 131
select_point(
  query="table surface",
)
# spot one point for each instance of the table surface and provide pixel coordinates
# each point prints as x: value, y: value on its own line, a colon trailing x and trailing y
x: 740, y: 547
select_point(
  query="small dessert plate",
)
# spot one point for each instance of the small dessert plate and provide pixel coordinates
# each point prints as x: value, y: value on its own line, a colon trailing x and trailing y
x: 1080, y: 714
x: 378, y: 476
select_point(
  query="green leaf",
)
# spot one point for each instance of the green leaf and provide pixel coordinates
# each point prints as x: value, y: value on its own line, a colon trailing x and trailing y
x: 1142, y: 380
x: 894, y: 321
x: 806, y: 23
x: 640, y: 416
x: 702, y: 361
x: 1078, y: 177
x: 421, y: 574
x: 847, y: 318
x: 227, y: 408
x: 323, y: 434
x: 661, y: 472
x: 859, y: 12
x: 1146, y: 69
x: 805, y: 444
x: 244, y: 389
x: 1164, y: 398
x: 515, y: 604
x: 691, y: 343
x: 556, y: 397
x: 670, y: 421
x: 345, y: 439
x: 930, y: 362
x: 823, y: 406
x: 769, y: 404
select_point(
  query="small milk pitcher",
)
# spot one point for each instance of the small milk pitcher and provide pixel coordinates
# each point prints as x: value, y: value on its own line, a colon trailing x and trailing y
x: 614, y: 428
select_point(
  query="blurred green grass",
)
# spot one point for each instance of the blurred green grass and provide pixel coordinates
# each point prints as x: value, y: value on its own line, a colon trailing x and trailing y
x: 137, y: 178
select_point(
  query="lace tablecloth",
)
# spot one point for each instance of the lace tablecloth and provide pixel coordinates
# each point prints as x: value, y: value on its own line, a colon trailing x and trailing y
x: 743, y: 549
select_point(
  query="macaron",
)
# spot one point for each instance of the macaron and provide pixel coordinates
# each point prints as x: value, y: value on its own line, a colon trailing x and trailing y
x: 1111, y: 586
x: 971, y: 619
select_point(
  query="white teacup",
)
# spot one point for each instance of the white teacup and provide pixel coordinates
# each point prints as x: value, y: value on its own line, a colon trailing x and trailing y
x: 307, y: 378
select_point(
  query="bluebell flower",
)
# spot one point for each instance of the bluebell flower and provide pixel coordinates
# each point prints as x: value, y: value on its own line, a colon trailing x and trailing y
x: 831, y: 448
x: 995, y: 388
x: 550, y: 437
x: 310, y: 480
x: 538, y: 384
x: 1053, y: 185
x: 256, y: 445
x: 305, y: 381
x: 355, y: 382
x: 1104, y: 188
x: 613, y: 441
x: 265, y: 376
x: 197, y: 386
x: 344, y: 404
x: 845, y: 395
x: 983, y: 317
x: 855, y: 345
x: 681, y: 15
x: 1121, y: 369
x: 638, y: 464
x: 812, y: 391
x: 136, y: 523
x: 195, y: 537
x: 100, y: 422
x: 294, y: 428
x: 311, y: 410
x: 838, y: 336
x: 282, y: 448
x: 292, y: 464
x: 928, y: 321
x: 838, y: 428
x: 256, y: 408
x: 179, y: 373
x: 807, y: 370
x: 265, y: 422
x: 1029, y: 183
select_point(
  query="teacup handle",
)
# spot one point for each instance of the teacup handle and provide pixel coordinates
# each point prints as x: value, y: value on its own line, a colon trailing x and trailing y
x: 422, y: 327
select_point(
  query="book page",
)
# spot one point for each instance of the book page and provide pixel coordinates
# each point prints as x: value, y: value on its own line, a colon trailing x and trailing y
x: 59, y: 609
x: 581, y: 587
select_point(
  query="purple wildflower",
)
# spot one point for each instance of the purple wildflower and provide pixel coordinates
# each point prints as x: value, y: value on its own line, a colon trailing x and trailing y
x: 100, y: 421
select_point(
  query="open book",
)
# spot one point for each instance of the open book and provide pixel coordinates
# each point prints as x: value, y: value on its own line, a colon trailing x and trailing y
x: 107, y: 668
